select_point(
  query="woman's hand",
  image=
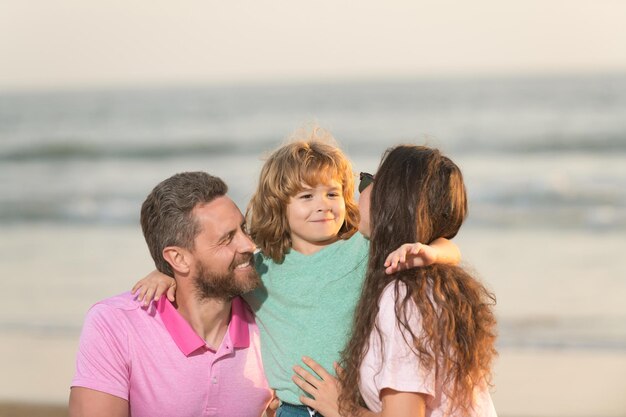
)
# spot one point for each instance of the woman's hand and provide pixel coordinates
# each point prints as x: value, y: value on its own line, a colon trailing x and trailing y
x: 325, y: 391
x: 153, y: 286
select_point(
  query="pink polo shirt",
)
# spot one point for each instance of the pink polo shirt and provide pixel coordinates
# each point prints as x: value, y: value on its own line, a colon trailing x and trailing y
x: 155, y: 360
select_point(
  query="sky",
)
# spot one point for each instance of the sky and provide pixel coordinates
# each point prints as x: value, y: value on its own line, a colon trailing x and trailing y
x: 87, y: 43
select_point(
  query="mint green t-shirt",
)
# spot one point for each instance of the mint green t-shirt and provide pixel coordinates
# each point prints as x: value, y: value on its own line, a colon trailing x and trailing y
x: 305, y: 307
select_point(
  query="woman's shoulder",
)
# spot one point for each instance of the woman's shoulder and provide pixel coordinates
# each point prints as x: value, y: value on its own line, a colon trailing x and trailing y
x: 394, y: 291
x: 392, y: 296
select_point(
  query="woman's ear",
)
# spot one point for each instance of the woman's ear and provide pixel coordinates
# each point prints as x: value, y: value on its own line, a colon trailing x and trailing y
x: 178, y: 258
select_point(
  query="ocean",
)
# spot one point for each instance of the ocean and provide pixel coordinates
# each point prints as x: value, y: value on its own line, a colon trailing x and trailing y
x: 544, y: 160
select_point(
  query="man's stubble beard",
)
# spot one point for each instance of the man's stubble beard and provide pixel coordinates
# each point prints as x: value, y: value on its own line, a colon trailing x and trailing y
x: 226, y: 286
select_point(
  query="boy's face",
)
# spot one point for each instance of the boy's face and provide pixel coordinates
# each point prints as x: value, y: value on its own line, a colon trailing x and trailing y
x: 315, y: 215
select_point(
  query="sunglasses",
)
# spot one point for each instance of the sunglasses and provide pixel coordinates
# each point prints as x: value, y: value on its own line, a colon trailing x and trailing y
x: 365, y: 180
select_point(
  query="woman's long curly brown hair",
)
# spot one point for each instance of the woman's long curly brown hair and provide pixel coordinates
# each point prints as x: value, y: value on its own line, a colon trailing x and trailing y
x: 419, y: 186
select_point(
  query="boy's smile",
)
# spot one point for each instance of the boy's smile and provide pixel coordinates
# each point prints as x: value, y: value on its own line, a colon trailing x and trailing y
x: 315, y: 215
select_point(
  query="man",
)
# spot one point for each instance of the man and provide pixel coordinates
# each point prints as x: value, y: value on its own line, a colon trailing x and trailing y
x: 198, y: 357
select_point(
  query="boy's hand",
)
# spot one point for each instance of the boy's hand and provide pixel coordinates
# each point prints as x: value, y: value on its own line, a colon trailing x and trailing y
x: 410, y: 255
x: 153, y: 287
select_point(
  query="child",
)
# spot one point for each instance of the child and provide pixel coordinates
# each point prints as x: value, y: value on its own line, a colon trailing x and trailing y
x: 312, y: 264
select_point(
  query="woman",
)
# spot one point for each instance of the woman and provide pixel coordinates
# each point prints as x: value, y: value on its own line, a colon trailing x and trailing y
x: 422, y: 342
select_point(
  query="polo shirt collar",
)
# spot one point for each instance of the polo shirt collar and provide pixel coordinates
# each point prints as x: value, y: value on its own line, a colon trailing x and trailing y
x: 188, y: 340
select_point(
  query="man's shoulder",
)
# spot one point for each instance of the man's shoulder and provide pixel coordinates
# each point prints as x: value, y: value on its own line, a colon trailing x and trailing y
x: 115, y: 306
x: 124, y: 301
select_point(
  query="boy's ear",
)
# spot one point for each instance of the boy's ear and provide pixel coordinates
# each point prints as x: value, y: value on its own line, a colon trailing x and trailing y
x: 178, y: 258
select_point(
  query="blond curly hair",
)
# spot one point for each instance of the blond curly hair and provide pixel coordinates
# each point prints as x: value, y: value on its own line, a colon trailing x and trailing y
x: 310, y: 157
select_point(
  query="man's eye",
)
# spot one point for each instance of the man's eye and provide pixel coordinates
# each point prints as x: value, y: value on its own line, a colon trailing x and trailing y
x: 228, y: 238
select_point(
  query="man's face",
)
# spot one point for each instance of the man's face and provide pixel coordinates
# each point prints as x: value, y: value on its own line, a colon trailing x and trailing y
x: 223, y: 252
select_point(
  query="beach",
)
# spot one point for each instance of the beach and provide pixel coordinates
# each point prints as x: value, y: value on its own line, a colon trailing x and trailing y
x: 57, y: 272
x: 542, y: 159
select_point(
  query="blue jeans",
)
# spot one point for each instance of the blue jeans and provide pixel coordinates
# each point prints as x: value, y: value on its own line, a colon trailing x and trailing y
x: 292, y: 410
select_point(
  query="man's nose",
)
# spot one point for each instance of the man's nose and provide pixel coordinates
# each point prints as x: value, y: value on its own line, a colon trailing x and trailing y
x: 246, y: 244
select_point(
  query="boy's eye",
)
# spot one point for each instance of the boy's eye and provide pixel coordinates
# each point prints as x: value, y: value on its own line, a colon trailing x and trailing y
x: 334, y: 194
x: 306, y: 196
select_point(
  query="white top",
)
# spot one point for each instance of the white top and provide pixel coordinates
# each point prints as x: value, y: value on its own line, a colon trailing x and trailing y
x: 397, y: 366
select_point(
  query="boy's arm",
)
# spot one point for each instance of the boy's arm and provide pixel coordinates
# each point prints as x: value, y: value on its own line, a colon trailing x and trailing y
x: 413, y: 255
x: 153, y: 286
x: 447, y: 251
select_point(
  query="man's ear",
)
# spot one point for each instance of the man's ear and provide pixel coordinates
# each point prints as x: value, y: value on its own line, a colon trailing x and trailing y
x: 178, y: 258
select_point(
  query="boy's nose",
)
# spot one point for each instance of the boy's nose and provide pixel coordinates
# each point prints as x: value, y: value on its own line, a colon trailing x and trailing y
x: 324, y: 205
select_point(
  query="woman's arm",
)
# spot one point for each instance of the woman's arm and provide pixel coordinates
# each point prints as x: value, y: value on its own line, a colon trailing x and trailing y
x: 325, y: 393
x: 402, y: 404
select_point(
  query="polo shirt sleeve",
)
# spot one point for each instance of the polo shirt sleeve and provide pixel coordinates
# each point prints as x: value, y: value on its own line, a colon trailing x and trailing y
x: 102, y: 361
x: 401, y: 368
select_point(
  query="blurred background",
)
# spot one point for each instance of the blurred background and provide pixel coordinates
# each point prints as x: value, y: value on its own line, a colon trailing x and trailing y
x: 101, y: 101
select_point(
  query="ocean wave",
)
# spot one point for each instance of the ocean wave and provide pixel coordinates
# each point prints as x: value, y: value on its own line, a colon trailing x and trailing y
x: 176, y: 147
x: 548, y: 144
x: 170, y: 149
x: 590, y: 333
